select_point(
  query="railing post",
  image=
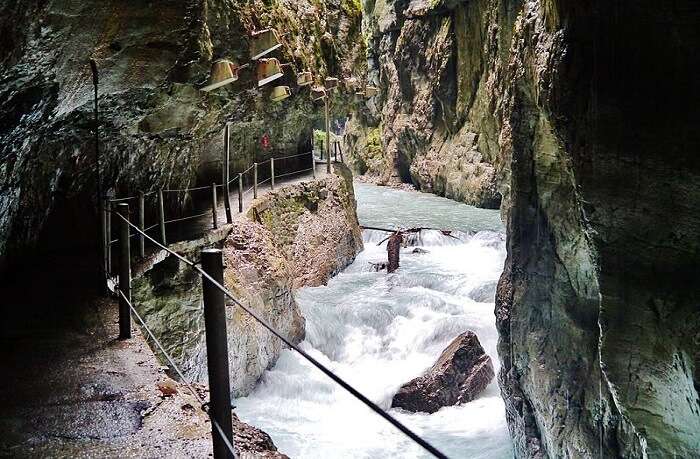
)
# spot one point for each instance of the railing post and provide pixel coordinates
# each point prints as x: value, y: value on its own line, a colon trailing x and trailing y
x: 255, y: 180
x: 328, y: 136
x: 124, y: 272
x: 240, y: 192
x: 214, y: 217
x: 272, y: 173
x: 217, y: 350
x: 161, y: 217
x: 313, y: 163
x: 142, y: 224
x: 105, y: 240
x: 226, y: 176
x: 108, y: 229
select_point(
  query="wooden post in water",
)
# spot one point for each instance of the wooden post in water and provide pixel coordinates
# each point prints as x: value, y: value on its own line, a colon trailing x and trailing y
x: 214, y: 217
x: 124, y: 272
x: 393, y: 249
x: 240, y: 192
x: 161, y: 217
x: 255, y: 180
x: 226, y: 175
x: 217, y: 351
x: 272, y: 173
x: 142, y: 224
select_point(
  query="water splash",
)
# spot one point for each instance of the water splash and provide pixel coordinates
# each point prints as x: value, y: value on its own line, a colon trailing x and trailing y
x: 379, y: 331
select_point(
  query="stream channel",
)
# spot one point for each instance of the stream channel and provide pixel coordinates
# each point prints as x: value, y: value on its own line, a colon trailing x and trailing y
x: 379, y: 331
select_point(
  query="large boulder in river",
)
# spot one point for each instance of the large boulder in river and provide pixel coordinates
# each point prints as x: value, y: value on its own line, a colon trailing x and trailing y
x: 462, y: 372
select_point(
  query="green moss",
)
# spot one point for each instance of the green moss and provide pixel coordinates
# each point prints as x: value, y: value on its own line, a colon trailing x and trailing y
x: 374, y: 143
x: 352, y: 8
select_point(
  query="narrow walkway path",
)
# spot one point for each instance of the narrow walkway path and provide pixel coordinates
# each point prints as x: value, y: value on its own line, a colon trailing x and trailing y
x: 194, y: 229
x: 69, y: 388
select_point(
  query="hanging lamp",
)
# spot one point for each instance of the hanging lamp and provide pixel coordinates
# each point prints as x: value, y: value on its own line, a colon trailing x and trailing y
x: 371, y: 91
x: 268, y: 70
x: 318, y: 93
x: 280, y: 93
x: 305, y: 79
x: 223, y: 72
x: 263, y: 42
x: 331, y: 82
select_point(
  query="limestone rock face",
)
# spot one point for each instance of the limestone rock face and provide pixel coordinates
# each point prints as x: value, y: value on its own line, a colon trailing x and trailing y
x: 157, y: 129
x: 314, y: 225
x: 459, y: 375
x: 585, y: 114
x: 424, y: 127
x: 264, y: 262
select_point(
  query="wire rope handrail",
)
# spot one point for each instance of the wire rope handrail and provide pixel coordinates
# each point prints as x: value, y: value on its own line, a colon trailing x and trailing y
x: 206, y: 187
x: 185, y: 381
x: 337, y: 379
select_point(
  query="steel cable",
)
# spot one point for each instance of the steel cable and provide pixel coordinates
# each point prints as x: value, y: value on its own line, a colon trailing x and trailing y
x: 172, y: 363
x: 293, y: 173
x: 354, y: 392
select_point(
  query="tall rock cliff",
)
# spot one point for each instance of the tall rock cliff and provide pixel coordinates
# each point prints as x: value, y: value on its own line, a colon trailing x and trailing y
x: 157, y: 128
x: 583, y: 116
x: 430, y: 124
x: 597, y: 311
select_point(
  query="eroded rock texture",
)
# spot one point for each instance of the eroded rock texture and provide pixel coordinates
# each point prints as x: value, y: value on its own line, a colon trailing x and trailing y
x: 315, y: 226
x: 459, y: 375
x: 298, y: 235
x: 157, y: 128
x: 587, y: 111
x: 425, y: 127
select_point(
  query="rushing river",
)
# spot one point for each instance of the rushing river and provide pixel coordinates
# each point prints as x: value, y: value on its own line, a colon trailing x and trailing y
x: 378, y: 331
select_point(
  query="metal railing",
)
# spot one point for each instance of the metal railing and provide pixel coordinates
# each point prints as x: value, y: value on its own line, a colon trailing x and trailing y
x: 247, y: 181
x: 214, y: 294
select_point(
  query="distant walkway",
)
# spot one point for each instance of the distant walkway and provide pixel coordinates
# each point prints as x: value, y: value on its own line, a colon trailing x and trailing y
x: 196, y: 228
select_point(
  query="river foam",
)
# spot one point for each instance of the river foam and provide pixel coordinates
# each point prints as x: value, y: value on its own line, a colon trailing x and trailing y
x: 379, y: 331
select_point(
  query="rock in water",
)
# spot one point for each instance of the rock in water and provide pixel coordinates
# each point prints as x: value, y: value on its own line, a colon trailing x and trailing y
x: 460, y: 374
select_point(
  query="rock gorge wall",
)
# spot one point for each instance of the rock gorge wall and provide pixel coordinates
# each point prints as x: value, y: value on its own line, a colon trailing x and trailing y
x: 584, y: 114
x: 261, y: 270
x: 157, y: 128
x: 431, y: 124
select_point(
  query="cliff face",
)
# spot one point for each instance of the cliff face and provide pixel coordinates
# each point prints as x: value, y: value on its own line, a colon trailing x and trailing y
x: 429, y: 122
x: 262, y: 269
x: 597, y: 315
x: 157, y: 128
x: 584, y: 115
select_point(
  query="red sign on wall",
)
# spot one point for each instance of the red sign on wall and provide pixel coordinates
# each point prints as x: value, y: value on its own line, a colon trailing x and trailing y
x: 265, y: 141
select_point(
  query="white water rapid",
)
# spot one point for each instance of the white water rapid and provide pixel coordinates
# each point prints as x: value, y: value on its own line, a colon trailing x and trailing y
x: 378, y: 331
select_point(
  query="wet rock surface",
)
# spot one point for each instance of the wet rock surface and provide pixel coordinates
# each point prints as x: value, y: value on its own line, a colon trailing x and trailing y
x: 459, y: 375
x: 315, y: 225
x: 568, y: 111
x: 157, y: 129
x: 300, y: 234
x: 70, y: 389
x: 424, y: 128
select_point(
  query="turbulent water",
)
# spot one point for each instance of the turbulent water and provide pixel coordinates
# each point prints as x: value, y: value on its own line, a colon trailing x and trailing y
x: 378, y: 331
